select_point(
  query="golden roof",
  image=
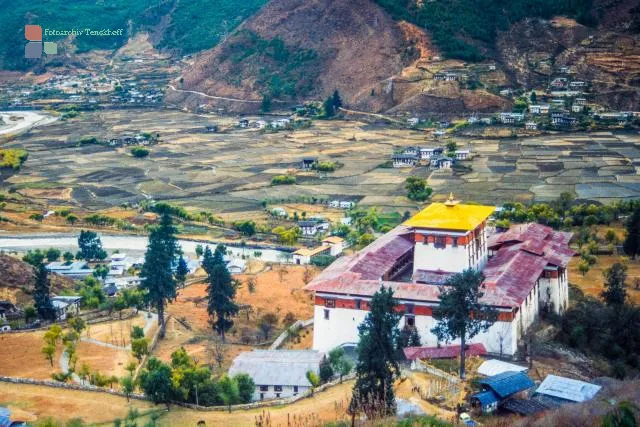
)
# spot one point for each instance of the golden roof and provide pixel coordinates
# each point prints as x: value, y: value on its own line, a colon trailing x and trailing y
x: 450, y: 216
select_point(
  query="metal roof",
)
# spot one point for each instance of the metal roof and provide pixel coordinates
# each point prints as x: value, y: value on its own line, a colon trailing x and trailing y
x: 486, y: 397
x: 507, y: 383
x: 495, y: 367
x: 277, y: 367
x: 448, y: 352
x: 456, y: 217
x: 567, y: 388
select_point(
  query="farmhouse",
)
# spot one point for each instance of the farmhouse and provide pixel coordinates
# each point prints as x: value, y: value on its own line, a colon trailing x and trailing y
x: 511, y: 118
x: 8, y: 311
x: 462, y: 154
x: 305, y: 255
x: 531, y: 126
x: 404, y: 160
x: 66, y: 305
x: 441, y: 162
x: 429, y: 152
x: 525, y: 270
x: 559, y: 119
x: 539, y: 109
x: 312, y: 227
x: 277, y: 373
x: 75, y: 270
x: 308, y: 163
x: 498, y: 388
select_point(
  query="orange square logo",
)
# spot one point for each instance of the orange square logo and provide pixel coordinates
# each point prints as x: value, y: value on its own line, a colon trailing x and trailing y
x: 33, y: 32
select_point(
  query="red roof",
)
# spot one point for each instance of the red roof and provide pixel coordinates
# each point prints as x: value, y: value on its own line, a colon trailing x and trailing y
x: 520, y: 256
x: 449, y: 352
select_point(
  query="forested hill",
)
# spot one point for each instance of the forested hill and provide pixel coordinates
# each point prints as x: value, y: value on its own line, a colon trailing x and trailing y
x: 183, y: 26
x: 464, y: 29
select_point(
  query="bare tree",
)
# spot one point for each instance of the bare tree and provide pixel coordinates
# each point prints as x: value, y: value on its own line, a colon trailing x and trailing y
x: 282, y: 271
x: 217, y: 351
x: 307, y: 275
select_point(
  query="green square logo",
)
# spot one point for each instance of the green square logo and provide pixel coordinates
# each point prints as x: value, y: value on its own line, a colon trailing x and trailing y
x: 50, y: 48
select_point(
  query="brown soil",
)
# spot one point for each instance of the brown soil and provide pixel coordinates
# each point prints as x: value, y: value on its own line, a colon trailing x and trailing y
x: 108, y: 361
x: 22, y: 356
x: 592, y: 282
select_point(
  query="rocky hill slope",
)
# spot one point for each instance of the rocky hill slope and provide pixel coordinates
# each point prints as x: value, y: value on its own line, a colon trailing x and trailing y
x: 295, y: 50
x: 17, y: 281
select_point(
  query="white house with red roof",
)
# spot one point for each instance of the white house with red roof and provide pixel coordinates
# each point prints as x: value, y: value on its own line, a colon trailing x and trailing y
x: 525, y: 271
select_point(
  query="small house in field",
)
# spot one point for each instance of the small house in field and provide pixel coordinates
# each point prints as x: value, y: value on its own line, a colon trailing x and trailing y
x: 557, y: 391
x: 277, y: 373
x: 308, y: 163
x: 8, y: 311
x: 66, y: 305
x: 311, y: 228
x: 539, y: 109
x: 462, y: 154
x: 211, y: 128
x: 531, y: 126
x: 404, y: 160
x: 441, y: 162
x: 243, y: 123
x: 336, y: 243
x: 497, y: 389
x: 305, y: 255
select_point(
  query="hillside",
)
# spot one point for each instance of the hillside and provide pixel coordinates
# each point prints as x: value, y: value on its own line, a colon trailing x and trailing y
x: 381, y: 61
x: 180, y: 26
x: 17, y: 279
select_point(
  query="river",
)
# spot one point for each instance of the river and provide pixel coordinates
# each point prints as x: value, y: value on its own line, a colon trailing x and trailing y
x: 132, y: 245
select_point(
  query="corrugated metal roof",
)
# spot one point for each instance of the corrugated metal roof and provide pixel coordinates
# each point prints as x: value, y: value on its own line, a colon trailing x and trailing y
x: 494, y: 367
x: 507, y: 383
x: 568, y: 388
x: 277, y: 367
x: 486, y: 397
x: 448, y: 352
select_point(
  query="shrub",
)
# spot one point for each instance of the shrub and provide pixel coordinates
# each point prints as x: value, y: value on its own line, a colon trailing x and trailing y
x: 283, y: 180
x: 13, y: 158
x: 139, y: 152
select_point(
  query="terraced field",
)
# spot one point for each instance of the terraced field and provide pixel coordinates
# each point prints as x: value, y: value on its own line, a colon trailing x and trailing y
x: 230, y: 172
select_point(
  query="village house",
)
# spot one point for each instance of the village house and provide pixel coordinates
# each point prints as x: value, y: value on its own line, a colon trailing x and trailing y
x: 8, y: 311
x: 306, y: 255
x: 438, y: 133
x: 556, y: 391
x: 580, y: 101
x: 446, y: 76
x: 525, y: 270
x: 335, y: 243
x: 404, y: 160
x: 413, y: 121
x: 281, y: 212
x: 559, y: 119
x: 505, y: 92
x: 66, y: 305
x: 577, y: 84
x: 429, y: 152
x: 441, y: 162
x: 311, y: 227
x: 411, y: 151
x: 260, y: 124
x: 277, y: 373
x: 576, y: 108
x: 280, y: 123
x: 531, y: 126
x: 558, y: 83
x: 498, y: 388
x: 462, y: 154
x: 539, y: 109
x: 341, y: 204
x: 75, y: 270
x: 511, y: 118
x: 243, y: 123
x: 308, y: 163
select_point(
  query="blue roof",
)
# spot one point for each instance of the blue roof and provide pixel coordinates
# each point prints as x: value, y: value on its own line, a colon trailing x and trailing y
x: 486, y: 397
x: 507, y: 383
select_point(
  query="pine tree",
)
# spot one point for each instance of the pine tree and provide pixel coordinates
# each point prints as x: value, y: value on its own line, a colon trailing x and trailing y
x: 90, y: 246
x: 329, y: 110
x: 614, y: 293
x: 221, y: 293
x: 631, y: 243
x: 336, y: 100
x: 377, y: 367
x: 460, y: 314
x: 157, y: 272
x: 42, y: 295
x: 181, y: 271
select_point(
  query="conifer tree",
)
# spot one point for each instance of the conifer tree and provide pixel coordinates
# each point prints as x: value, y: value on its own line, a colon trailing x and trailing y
x: 221, y: 293
x: 157, y: 271
x: 631, y: 243
x: 42, y: 294
x: 377, y: 367
x: 460, y: 313
x: 181, y: 271
x: 614, y: 293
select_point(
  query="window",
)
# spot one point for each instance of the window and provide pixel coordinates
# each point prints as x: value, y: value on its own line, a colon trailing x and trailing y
x: 261, y: 396
x: 277, y: 388
x: 358, y: 304
x: 455, y: 242
x: 410, y: 320
x: 264, y: 388
x: 408, y: 308
x: 295, y: 388
x: 330, y: 303
x: 440, y: 242
x: 326, y: 314
x: 277, y: 395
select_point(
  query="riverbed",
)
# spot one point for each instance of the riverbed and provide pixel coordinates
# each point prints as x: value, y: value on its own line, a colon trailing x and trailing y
x: 132, y: 245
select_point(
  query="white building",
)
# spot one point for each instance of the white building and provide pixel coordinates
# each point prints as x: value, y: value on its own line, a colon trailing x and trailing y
x: 336, y: 243
x: 524, y: 269
x: 539, y: 109
x: 404, y: 160
x: 66, y: 305
x: 277, y: 373
x: 531, y: 126
x: 75, y: 270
